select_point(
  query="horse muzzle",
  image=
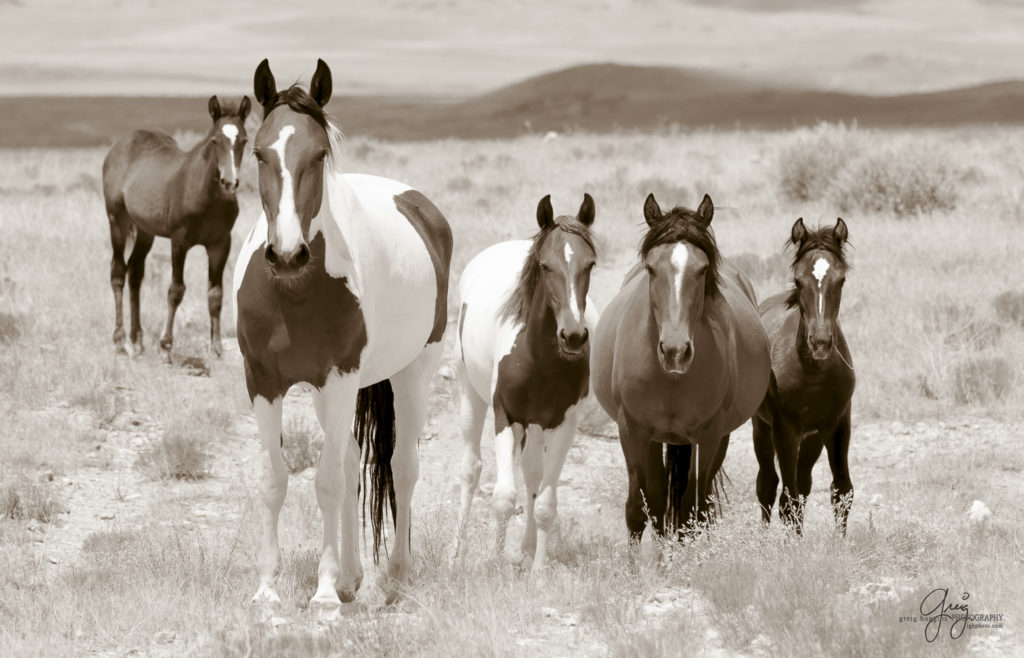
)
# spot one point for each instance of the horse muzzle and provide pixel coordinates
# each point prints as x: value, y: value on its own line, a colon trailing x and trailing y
x: 675, y: 359
x: 287, y: 263
x: 228, y: 186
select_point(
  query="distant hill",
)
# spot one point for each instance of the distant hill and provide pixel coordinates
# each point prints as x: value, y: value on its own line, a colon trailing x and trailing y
x: 593, y: 97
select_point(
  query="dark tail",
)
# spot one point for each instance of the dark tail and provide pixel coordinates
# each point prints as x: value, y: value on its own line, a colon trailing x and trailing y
x: 677, y: 466
x: 375, y: 433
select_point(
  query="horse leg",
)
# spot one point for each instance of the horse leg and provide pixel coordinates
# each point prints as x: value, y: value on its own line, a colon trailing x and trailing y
x: 120, y: 226
x: 217, y: 255
x: 714, y: 480
x: 635, y: 450
x: 767, y: 477
x: 411, y: 387
x: 274, y: 486
x: 787, y: 443
x: 337, y: 404
x: 534, y: 450
x: 503, y: 499
x: 136, y: 272
x: 557, y: 442
x: 351, y: 565
x: 706, y: 459
x: 810, y: 450
x: 472, y: 412
x: 175, y: 293
x: 842, y: 486
x: 657, y: 487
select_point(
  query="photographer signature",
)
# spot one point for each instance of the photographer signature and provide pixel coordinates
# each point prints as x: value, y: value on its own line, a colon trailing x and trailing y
x: 935, y: 607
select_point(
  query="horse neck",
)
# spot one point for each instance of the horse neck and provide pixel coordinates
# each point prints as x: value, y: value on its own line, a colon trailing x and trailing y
x: 199, y: 175
x: 348, y: 240
x: 540, y: 325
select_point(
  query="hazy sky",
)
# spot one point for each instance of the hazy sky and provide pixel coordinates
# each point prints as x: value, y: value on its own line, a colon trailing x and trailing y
x: 458, y: 47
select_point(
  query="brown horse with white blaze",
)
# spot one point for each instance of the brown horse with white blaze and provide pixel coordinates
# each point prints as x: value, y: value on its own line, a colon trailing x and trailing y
x: 807, y: 407
x: 679, y: 360
x: 154, y: 188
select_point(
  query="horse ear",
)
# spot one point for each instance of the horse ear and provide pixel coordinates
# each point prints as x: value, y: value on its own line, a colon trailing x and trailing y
x: 321, y: 85
x: 214, y: 107
x: 652, y: 211
x: 798, y: 233
x: 264, y: 86
x: 586, y: 213
x: 545, y: 214
x: 840, y: 231
x: 243, y: 107
x: 706, y: 210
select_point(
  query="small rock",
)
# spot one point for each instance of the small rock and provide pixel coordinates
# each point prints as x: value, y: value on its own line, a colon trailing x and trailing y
x: 53, y: 559
x: 46, y: 477
x: 164, y: 637
x: 106, y: 516
x: 572, y: 619
x: 979, y: 512
x: 278, y: 621
x: 875, y: 500
x: 549, y: 612
x: 665, y: 596
x: 446, y: 372
x: 132, y: 496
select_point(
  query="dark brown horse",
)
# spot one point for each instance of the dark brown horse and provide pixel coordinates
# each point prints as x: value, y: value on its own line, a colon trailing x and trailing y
x: 808, y: 402
x: 679, y: 360
x: 152, y: 187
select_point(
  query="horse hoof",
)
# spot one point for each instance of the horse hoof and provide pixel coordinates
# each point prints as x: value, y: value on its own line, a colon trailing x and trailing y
x: 327, y: 606
x: 216, y: 349
x: 265, y: 597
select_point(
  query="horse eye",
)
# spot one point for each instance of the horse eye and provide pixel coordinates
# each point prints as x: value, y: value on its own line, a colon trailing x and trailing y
x: 650, y: 270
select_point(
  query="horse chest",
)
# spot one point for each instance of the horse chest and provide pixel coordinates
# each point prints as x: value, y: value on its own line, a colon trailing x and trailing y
x: 288, y: 337
x: 813, y: 402
x: 534, y: 391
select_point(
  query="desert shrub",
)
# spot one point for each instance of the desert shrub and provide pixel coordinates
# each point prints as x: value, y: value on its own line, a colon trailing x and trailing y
x: 1009, y: 307
x: 667, y: 193
x: 303, y: 441
x: 12, y: 325
x: 903, y: 180
x: 25, y: 500
x: 761, y: 268
x: 180, y: 453
x: 809, y: 165
x: 979, y: 379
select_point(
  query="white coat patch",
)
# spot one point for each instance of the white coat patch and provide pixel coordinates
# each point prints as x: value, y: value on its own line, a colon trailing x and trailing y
x: 231, y: 132
x: 574, y: 304
x: 289, y: 230
x: 680, y: 255
x: 820, y: 270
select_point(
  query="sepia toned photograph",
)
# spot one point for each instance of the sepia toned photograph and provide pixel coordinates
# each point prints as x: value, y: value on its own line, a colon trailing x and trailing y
x: 625, y: 328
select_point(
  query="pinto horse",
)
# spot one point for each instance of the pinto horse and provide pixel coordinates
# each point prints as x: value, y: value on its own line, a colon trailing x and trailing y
x: 342, y: 283
x: 152, y: 187
x: 680, y: 359
x: 808, y: 402
x: 523, y: 341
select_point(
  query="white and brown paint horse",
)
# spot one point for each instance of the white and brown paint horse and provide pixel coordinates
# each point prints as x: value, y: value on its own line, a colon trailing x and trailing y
x: 524, y: 343
x: 343, y: 284
x: 152, y: 187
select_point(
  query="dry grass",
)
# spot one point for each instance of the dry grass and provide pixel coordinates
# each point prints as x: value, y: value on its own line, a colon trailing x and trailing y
x: 932, y: 339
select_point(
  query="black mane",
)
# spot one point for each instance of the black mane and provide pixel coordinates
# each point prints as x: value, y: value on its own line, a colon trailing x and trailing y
x: 517, y: 305
x: 822, y: 239
x: 684, y: 225
x: 298, y: 100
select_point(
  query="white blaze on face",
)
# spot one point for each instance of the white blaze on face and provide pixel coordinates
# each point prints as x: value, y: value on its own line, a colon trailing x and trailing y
x: 680, y: 254
x: 289, y: 229
x: 820, y: 270
x: 574, y: 304
x: 230, y: 131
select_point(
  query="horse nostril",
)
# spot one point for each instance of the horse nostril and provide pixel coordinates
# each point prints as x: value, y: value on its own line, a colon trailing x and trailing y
x: 302, y: 256
x: 585, y: 335
x: 270, y: 254
x: 688, y: 354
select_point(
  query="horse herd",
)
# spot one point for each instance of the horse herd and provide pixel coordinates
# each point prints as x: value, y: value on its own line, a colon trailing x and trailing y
x: 342, y: 283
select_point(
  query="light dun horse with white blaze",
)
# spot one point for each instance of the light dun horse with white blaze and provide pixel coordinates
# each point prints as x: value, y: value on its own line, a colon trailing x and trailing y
x: 523, y: 341
x: 680, y: 360
x: 151, y: 187
x: 343, y: 284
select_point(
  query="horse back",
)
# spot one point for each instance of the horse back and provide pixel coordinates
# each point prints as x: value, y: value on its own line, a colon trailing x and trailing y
x: 137, y: 174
